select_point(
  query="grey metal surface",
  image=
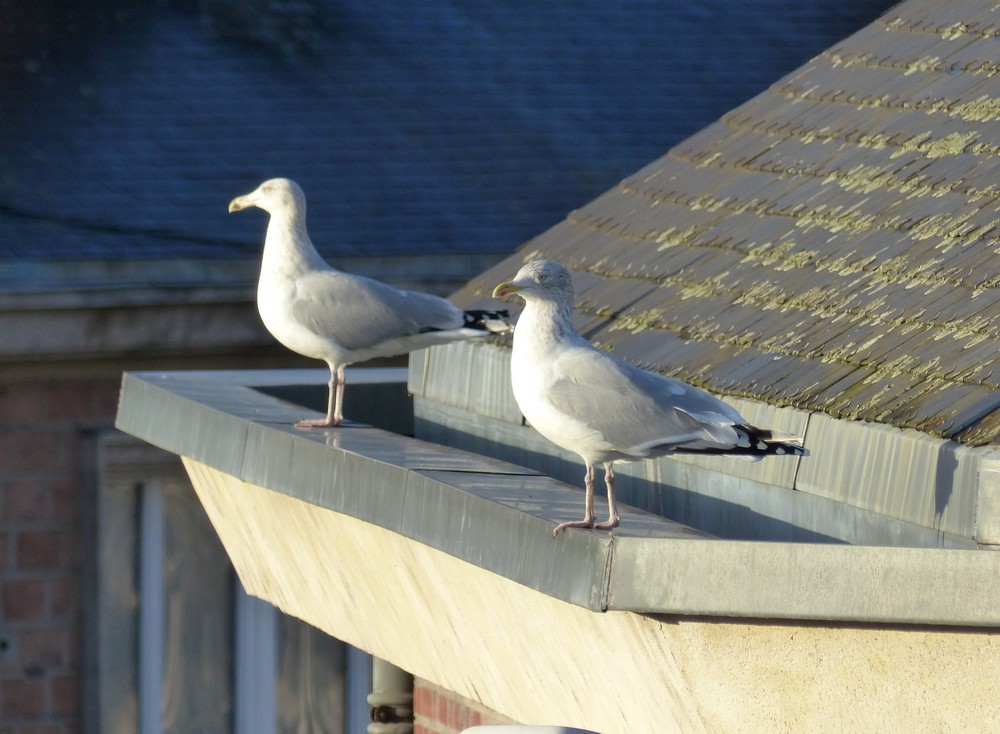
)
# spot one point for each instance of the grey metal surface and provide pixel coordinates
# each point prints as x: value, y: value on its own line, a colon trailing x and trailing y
x: 732, y: 506
x: 488, y: 512
x: 829, y: 245
x: 864, y: 483
x: 499, y: 516
x: 835, y: 582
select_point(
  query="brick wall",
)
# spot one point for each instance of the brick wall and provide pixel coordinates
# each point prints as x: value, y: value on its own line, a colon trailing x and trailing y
x: 438, y: 711
x: 46, y: 412
x: 41, y: 425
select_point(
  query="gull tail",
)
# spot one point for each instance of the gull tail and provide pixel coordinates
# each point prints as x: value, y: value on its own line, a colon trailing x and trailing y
x: 497, y: 322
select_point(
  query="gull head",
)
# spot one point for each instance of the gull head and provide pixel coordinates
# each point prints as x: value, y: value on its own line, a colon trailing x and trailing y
x: 545, y: 280
x: 273, y: 196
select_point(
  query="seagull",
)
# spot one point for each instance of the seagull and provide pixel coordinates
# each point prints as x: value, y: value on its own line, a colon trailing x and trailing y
x: 603, y: 408
x: 340, y: 318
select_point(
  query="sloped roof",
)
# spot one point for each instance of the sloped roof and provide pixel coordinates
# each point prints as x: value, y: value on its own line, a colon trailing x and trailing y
x: 447, y: 127
x: 832, y: 244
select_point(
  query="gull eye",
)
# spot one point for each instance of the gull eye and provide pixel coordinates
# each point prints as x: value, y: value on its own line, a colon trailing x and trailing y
x: 541, y: 277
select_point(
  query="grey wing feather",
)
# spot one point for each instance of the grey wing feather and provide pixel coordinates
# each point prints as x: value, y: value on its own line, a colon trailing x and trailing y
x: 358, y: 312
x: 633, y: 409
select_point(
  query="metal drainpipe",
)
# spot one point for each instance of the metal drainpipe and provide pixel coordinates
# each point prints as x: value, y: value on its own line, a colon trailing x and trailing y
x: 391, y: 699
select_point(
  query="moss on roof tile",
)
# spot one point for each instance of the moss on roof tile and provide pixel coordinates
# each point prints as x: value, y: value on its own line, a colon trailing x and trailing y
x: 832, y: 244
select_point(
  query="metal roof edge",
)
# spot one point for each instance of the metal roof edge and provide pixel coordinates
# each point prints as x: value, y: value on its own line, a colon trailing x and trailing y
x: 902, y: 473
x: 499, y: 516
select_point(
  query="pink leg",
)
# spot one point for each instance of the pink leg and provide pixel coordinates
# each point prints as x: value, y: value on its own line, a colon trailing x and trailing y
x: 335, y: 404
x: 338, y: 407
x: 588, y: 505
x: 613, y: 520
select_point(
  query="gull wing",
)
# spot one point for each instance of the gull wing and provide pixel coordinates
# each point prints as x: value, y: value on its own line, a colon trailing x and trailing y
x: 636, y: 411
x: 358, y: 312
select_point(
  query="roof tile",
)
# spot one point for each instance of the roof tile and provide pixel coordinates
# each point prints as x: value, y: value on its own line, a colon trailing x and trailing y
x: 831, y: 244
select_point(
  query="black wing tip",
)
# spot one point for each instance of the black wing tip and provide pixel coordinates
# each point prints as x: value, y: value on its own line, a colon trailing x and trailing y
x: 481, y: 319
x: 761, y: 442
x: 753, y: 442
x: 764, y: 448
x: 783, y: 448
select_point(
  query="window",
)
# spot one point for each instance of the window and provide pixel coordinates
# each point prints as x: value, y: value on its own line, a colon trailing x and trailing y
x: 174, y: 644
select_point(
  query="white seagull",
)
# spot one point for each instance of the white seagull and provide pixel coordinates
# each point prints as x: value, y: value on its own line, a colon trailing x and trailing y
x: 320, y: 312
x: 605, y: 409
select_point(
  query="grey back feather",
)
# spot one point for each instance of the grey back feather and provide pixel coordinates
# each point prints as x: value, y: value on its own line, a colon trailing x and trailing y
x: 358, y: 312
x: 635, y: 410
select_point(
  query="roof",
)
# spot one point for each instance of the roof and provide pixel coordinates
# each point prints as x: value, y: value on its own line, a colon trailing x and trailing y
x: 831, y: 244
x: 440, y: 127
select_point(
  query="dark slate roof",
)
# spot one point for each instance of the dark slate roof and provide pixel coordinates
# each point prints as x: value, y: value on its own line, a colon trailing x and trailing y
x: 447, y: 127
x: 832, y: 244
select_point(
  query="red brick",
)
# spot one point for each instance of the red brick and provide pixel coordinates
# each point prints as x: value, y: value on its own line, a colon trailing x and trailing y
x: 26, y: 502
x: 74, y: 646
x: 105, y: 401
x: 39, y: 549
x: 66, y: 499
x: 47, y: 728
x: 65, y: 695
x: 72, y: 552
x: 8, y: 452
x: 22, y: 699
x: 25, y: 403
x: 442, y: 708
x: 70, y: 402
x: 65, y: 597
x: 45, y: 451
x: 42, y: 648
x: 421, y: 700
x: 23, y: 599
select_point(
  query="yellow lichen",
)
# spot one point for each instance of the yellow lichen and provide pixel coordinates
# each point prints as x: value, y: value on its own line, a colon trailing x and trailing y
x: 919, y: 66
x: 638, y: 322
x: 782, y: 256
x: 847, y: 264
x: 954, y: 31
x: 949, y: 145
x: 708, y: 287
x: 862, y: 179
x: 925, y: 143
x: 675, y: 237
x: 972, y: 329
x: 982, y: 109
x: 950, y: 229
x: 837, y: 219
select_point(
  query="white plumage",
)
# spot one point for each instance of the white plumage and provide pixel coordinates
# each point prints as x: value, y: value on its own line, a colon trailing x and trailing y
x: 320, y: 312
x: 603, y: 408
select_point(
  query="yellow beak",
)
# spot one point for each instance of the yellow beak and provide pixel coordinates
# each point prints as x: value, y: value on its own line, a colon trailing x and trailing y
x: 505, y: 289
x: 242, y: 202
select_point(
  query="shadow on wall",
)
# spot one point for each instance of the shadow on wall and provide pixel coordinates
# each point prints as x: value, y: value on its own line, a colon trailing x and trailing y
x: 663, y: 489
x: 385, y: 405
x: 944, y: 478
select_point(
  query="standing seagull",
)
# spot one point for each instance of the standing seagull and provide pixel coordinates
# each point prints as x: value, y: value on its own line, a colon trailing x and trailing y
x: 605, y: 409
x: 321, y: 312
